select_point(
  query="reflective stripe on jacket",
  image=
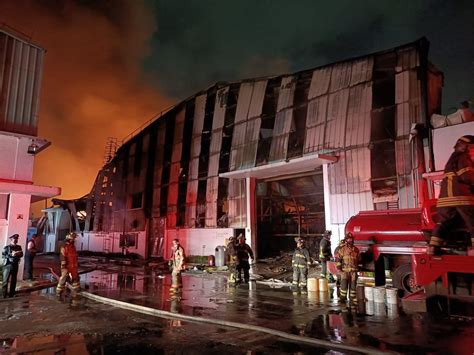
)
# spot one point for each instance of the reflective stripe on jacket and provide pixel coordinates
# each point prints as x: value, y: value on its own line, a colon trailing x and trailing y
x: 301, y: 258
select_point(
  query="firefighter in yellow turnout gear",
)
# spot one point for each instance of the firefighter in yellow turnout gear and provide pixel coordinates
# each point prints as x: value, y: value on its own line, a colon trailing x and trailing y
x: 456, y: 195
x: 301, y: 262
x: 178, y: 265
x: 348, y: 263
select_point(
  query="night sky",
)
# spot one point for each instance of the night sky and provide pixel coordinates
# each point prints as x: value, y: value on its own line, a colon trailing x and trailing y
x: 112, y: 65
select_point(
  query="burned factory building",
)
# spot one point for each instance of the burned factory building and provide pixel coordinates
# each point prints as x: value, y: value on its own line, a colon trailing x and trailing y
x: 273, y: 158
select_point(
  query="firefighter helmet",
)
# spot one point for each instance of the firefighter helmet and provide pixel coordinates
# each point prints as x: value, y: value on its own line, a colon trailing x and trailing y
x: 469, y: 139
x: 241, y: 237
x: 71, y: 236
x: 300, y: 240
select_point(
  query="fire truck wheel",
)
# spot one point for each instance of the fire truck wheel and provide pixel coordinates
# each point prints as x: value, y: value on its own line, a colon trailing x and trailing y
x: 403, y: 279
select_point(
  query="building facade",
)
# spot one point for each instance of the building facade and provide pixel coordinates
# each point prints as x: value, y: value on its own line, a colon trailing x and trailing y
x: 21, y: 67
x: 274, y: 158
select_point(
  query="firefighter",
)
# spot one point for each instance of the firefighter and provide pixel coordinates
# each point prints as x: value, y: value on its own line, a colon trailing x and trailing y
x: 244, y: 252
x: 231, y: 259
x: 456, y: 195
x: 68, y: 257
x: 11, y: 255
x: 325, y: 253
x: 348, y: 263
x: 336, y: 257
x: 301, y: 262
x: 178, y: 265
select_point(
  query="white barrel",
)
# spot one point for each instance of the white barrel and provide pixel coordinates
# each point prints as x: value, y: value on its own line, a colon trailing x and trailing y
x: 379, y: 309
x: 313, y: 296
x: 324, y: 297
x: 392, y: 311
x: 379, y: 294
x: 323, y: 285
x: 313, y: 285
x: 392, y: 296
x: 369, y: 293
x: 369, y: 308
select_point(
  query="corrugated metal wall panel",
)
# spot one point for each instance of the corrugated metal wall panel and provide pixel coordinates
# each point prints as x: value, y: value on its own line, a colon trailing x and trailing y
x: 195, y: 147
x: 193, y: 169
x: 190, y: 215
x: 340, y: 76
x: 177, y: 149
x: 315, y: 124
x: 213, y: 164
x: 358, y: 170
x: 362, y: 70
x: 402, y: 89
x: 336, y: 120
x: 191, y: 193
x: 358, y: 115
x: 287, y: 92
x: 199, y: 111
x: 344, y: 206
x: 281, y: 131
x: 21, y: 66
x: 216, y: 141
x: 403, y: 156
x: 211, y: 201
x: 320, y: 82
x: 219, y: 108
x: 256, y: 102
x: 179, y: 126
x: 243, y: 103
x: 408, y: 99
x: 408, y: 58
x: 250, y: 148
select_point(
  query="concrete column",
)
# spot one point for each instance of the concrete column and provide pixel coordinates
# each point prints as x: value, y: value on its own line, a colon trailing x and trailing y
x: 18, y: 215
x: 251, y: 212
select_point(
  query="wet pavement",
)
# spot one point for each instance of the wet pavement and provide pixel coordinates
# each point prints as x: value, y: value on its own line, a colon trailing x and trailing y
x: 316, y: 315
x: 40, y: 320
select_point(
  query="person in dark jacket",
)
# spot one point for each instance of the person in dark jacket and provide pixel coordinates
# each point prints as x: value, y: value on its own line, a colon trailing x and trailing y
x: 244, y: 252
x: 301, y: 262
x: 325, y: 253
x: 11, y: 255
x: 456, y: 195
x: 31, y: 250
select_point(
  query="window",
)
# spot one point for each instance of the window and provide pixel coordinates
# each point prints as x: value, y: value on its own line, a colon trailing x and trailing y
x: 137, y: 200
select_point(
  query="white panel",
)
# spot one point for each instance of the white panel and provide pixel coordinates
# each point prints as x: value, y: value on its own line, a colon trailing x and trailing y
x: 193, y: 168
x: 174, y: 172
x: 176, y: 156
x: 243, y: 103
x: 190, y: 215
x: 213, y: 165
x: 211, y: 191
x: 196, y: 147
x: 220, y: 108
x: 320, y: 82
x: 179, y: 126
x: 408, y: 58
x: 211, y: 214
x: 336, y: 125
x: 340, y: 76
x: 172, y: 195
x: 279, y: 146
x: 256, y: 102
x: 216, y: 141
x: 199, y: 111
x: 402, y: 81
x: 358, y: 115
x: 287, y: 92
x: 362, y: 70
x: 317, y: 111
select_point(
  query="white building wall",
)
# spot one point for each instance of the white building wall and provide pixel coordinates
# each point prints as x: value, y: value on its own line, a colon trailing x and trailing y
x: 18, y: 214
x: 15, y: 162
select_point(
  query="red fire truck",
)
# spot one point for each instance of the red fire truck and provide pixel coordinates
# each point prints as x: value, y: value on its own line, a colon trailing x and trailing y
x: 396, y: 240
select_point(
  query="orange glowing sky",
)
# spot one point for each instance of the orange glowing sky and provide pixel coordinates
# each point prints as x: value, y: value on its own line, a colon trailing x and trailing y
x: 92, y: 86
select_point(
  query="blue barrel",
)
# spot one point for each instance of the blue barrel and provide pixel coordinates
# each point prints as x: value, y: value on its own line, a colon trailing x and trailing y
x: 220, y: 255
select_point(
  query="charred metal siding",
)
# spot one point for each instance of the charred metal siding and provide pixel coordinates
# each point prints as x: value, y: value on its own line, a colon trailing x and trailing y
x: 360, y: 110
x: 21, y: 66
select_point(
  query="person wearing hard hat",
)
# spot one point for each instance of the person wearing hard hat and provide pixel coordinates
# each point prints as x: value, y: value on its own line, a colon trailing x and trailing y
x: 11, y: 254
x: 348, y: 264
x: 300, y: 262
x: 456, y: 196
x: 69, y: 266
x: 244, y: 252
